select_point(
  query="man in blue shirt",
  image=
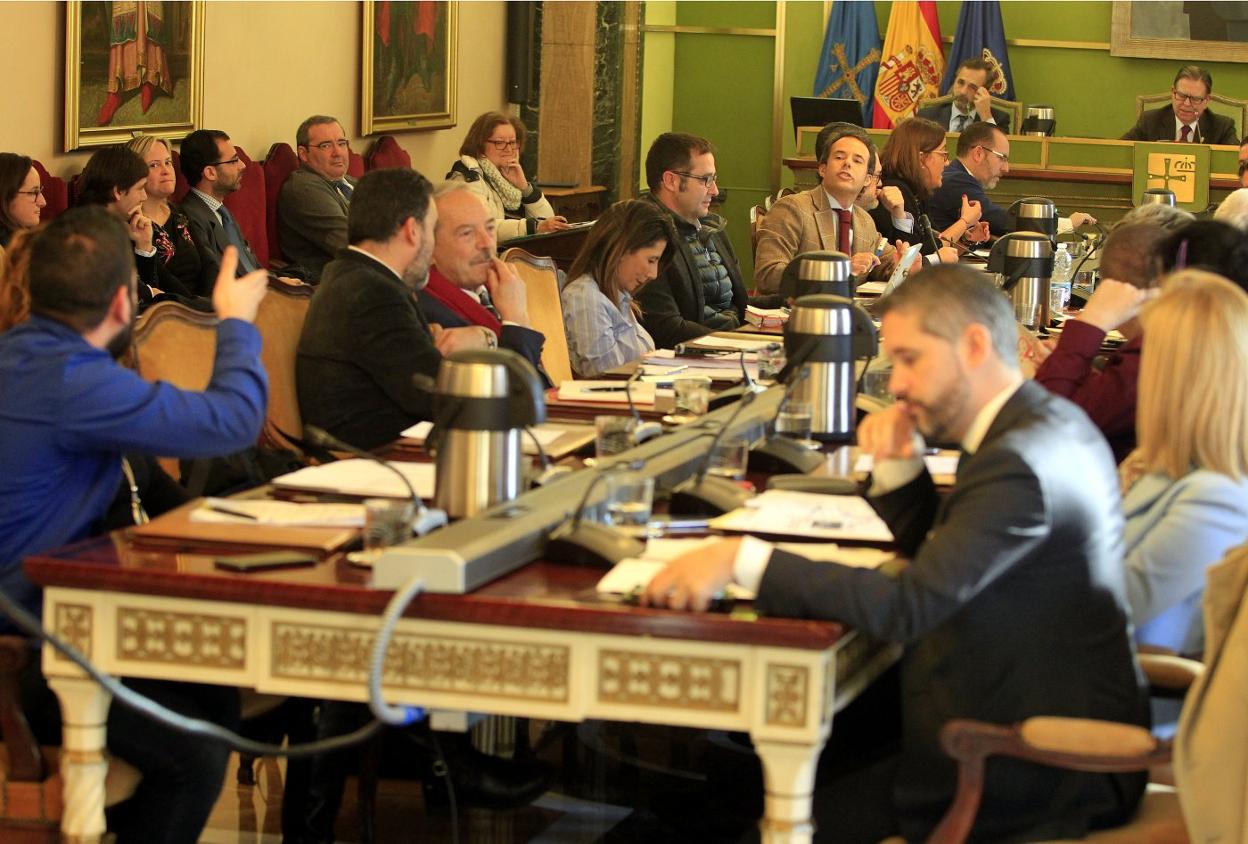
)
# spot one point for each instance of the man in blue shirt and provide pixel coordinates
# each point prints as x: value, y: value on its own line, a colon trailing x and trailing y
x: 69, y: 413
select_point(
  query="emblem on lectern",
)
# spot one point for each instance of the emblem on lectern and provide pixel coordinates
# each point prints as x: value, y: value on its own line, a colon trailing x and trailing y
x: 1175, y: 172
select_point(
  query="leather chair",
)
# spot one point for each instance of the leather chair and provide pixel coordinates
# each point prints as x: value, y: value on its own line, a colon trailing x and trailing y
x: 55, y: 191
x: 541, y: 281
x: 280, y: 322
x: 181, y: 187
x: 355, y: 165
x: 247, y: 204
x: 386, y: 153
x: 278, y: 165
x: 1011, y: 107
x: 757, y: 215
x: 1232, y: 107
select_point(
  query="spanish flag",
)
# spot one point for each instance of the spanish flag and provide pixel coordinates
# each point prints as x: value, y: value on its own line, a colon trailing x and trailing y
x: 913, y: 62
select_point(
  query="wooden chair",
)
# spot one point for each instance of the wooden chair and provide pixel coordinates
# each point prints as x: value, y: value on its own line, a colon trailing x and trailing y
x: 772, y: 199
x: 541, y: 280
x: 1231, y: 107
x: 1011, y: 107
x: 757, y: 213
x: 280, y: 322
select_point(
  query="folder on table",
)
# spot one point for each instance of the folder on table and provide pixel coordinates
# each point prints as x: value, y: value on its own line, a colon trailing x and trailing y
x: 177, y: 527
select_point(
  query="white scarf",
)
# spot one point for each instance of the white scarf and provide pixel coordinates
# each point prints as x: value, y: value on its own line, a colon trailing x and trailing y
x: 507, y: 192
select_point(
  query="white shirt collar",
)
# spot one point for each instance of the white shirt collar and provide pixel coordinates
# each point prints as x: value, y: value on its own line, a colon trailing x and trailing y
x: 983, y: 420
x: 832, y: 203
x: 375, y: 258
x: 1179, y: 124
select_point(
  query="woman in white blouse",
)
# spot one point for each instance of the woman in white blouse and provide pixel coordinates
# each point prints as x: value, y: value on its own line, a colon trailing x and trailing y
x: 624, y: 251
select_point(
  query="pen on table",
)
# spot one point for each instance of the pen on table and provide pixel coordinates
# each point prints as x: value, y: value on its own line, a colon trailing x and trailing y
x: 217, y: 508
x: 605, y: 389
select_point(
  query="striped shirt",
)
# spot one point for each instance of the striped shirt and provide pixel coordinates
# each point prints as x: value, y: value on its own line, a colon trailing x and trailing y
x: 601, y: 335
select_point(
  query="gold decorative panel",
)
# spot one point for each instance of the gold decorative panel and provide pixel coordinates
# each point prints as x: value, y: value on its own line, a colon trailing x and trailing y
x: 786, y: 695
x: 496, y: 668
x: 181, y: 638
x: 73, y: 624
x: 650, y: 679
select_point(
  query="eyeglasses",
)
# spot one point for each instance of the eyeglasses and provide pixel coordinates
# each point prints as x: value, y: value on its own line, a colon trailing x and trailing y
x: 1005, y: 159
x: 326, y: 146
x: 941, y: 152
x: 707, y: 179
x: 233, y: 160
x: 502, y: 145
x: 1179, y: 96
x: 33, y: 193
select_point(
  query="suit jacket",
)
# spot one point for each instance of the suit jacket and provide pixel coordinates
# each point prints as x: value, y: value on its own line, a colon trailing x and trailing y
x: 945, y: 204
x: 672, y: 304
x: 1012, y: 606
x: 311, y: 220
x: 210, y: 239
x: 805, y: 222
x: 942, y: 114
x: 1175, y: 530
x: 1158, y: 125
x: 363, y: 339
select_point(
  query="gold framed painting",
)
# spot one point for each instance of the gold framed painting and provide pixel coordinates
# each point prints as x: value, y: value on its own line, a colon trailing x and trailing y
x: 408, y: 65
x: 132, y: 67
x: 1171, y: 29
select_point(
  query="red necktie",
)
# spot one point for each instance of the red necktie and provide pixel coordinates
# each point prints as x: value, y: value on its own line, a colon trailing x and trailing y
x: 1184, y: 133
x: 844, y: 241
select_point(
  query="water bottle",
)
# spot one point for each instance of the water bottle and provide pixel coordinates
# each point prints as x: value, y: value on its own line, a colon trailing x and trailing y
x: 1059, y: 284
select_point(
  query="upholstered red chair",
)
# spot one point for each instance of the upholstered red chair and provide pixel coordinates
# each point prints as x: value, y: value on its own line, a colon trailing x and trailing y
x: 247, y: 204
x: 355, y: 165
x: 181, y: 186
x: 55, y: 191
x: 278, y: 166
x: 386, y: 153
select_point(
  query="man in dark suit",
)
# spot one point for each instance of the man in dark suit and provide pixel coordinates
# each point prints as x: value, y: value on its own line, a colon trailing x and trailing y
x: 468, y: 284
x: 312, y: 205
x: 972, y: 100
x: 214, y: 170
x: 1012, y: 603
x: 1187, y: 118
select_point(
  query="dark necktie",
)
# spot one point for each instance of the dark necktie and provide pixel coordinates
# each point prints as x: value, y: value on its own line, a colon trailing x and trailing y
x: 488, y: 304
x: 959, y: 122
x: 235, y: 237
x: 844, y: 240
x: 344, y: 188
x: 1185, y: 134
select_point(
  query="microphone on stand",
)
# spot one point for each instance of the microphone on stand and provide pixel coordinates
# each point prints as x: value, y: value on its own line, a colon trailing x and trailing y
x: 713, y: 495
x: 642, y: 431
x: 422, y: 519
x: 747, y: 385
x: 928, y: 234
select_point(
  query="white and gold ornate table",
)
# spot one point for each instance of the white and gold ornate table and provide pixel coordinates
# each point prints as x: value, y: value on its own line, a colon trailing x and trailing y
x: 536, y: 643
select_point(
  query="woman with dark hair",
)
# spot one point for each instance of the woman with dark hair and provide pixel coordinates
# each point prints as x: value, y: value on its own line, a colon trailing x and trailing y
x: 116, y: 177
x: 624, y: 251
x: 913, y: 162
x: 489, y: 161
x: 171, y: 235
x: 21, y: 196
x: 1208, y: 245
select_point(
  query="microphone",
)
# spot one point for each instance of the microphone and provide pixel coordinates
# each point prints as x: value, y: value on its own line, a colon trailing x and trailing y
x: 592, y: 544
x: 642, y: 431
x: 421, y: 518
x: 549, y: 470
x: 781, y: 454
x: 711, y: 496
x: 929, y: 235
x: 747, y: 385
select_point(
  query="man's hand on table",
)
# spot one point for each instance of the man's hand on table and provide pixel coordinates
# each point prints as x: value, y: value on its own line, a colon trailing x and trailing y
x: 691, y: 581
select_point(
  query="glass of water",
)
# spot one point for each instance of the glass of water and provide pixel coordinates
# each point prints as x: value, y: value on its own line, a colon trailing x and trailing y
x: 614, y: 434
x: 693, y: 395
x: 730, y: 458
x: 387, y: 521
x: 630, y: 497
x: 794, y: 422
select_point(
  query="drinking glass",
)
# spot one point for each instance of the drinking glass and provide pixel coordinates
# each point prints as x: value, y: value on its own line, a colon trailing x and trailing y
x: 770, y: 362
x: 613, y: 434
x: 693, y: 395
x: 730, y: 458
x: 387, y: 521
x: 630, y: 497
x: 793, y: 421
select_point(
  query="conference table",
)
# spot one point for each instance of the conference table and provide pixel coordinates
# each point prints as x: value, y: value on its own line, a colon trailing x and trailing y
x: 538, y: 642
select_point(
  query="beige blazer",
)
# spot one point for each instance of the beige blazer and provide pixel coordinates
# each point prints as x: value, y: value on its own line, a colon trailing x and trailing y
x: 1211, y: 748
x: 804, y: 222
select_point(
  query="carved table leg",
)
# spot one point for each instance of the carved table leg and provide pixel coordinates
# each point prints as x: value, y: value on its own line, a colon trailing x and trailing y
x: 84, y: 718
x: 789, y: 774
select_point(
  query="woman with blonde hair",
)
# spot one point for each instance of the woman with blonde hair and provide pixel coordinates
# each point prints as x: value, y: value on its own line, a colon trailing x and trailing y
x: 171, y: 234
x: 1186, y: 484
x: 624, y: 251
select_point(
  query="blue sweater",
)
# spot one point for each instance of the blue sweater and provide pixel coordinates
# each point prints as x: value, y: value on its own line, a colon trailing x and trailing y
x: 68, y: 412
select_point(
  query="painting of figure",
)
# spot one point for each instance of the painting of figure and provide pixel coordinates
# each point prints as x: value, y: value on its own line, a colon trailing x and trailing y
x: 409, y: 57
x: 132, y: 65
x: 1181, y: 29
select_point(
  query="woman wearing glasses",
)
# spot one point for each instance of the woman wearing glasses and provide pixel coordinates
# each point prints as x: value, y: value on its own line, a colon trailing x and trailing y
x: 171, y: 235
x: 489, y: 161
x: 21, y: 196
x: 623, y: 252
x: 913, y: 161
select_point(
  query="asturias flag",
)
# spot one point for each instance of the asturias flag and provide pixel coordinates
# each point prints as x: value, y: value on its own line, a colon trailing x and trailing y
x: 980, y: 35
x: 850, y: 58
x: 912, y: 65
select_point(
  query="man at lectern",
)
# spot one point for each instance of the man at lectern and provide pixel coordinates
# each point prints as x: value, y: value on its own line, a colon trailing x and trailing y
x: 1187, y: 118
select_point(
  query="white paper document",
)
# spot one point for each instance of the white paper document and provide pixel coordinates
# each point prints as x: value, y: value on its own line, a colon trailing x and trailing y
x: 607, y: 391
x: 361, y: 477
x: 710, y: 341
x: 255, y: 511
x: 779, y: 512
x: 941, y: 463
x: 546, y: 434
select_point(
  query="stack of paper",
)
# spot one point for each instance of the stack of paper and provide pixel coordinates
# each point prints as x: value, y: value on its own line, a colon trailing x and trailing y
x: 363, y: 478
x: 557, y: 438
x: 779, y: 512
x: 733, y: 344
x: 766, y: 317
x: 261, y: 511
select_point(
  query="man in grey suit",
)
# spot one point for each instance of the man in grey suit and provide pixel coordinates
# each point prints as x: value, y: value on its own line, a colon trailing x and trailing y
x: 312, y: 206
x: 972, y: 100
x: 1012, y: 604
x: 212, y: 166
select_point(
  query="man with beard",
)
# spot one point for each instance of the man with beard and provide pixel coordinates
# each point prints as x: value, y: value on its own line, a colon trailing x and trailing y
x: 213, y: 168
x: 365, y: 335
x: 972, y: 100
x: 69, y: 414
x: 1012, y: 602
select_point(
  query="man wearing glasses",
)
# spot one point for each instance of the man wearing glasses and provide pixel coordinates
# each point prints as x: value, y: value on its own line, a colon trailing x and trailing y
x: 312, y: 205
x: 1187, y: 118
x: 701, y: 289
x: 212, y: 166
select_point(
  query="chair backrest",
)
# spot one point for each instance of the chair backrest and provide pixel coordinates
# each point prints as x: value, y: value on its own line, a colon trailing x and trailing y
x: 1012, y: 107
x: 757, y: 215
x: 280, y: 322
x: 355, y: 165
x: 1231, y: 107
x: 55, y: 191
x: 541, y: 282
x: 385, y: 153
x: 247, y: 204
x: 181, y: 187
x: 278, y: 165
